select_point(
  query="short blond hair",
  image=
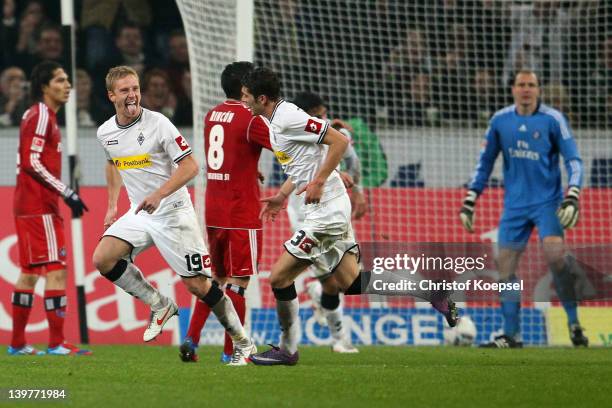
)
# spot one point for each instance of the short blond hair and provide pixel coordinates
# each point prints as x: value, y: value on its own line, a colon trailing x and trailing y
x: 116, y: 73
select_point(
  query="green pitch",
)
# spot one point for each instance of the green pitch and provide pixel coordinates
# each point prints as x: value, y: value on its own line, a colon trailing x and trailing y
x: 153, y: 376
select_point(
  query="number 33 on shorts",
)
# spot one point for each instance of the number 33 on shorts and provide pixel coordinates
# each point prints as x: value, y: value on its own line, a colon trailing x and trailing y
x: 197, y: 262
x: 301, y: 241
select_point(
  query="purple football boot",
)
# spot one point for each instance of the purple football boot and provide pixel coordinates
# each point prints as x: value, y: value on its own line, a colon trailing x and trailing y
x: 275, y: 356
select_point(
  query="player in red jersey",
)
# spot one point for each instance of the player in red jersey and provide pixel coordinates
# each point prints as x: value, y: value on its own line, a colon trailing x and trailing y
x: 233, y: 141
x: 40, y: 231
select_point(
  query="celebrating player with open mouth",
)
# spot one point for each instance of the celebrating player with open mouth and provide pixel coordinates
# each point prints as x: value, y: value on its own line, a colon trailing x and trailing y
x: 147, y: 152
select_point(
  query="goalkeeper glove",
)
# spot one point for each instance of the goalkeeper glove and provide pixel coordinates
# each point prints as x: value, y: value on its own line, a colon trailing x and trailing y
x: 466, y: 214
x: 73, y: 201
x: 569, y: 210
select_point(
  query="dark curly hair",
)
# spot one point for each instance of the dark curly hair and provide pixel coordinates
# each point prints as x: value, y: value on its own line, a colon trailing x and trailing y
x: 262, y: 81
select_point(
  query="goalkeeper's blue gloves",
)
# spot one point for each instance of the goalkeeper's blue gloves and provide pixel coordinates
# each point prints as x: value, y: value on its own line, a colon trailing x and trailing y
x: 569, y: 209
x: 466, y: 214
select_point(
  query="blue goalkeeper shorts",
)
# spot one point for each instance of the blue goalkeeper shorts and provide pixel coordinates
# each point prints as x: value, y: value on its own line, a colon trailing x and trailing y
x: 515, y: 225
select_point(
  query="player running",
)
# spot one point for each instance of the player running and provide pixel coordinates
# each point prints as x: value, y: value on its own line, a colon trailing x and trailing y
x: 40, y: 228
x: 325, y: 238
x: 324, y: 292
x: 233, y: 140
x: 154, y: 161
x: 530, y: 135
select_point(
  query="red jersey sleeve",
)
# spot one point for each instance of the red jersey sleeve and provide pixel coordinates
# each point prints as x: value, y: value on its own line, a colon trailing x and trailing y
x: 34, y: 132
x: 259, y: 132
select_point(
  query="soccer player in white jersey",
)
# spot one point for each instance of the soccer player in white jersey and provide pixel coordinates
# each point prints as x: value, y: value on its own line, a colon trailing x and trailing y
x: 146, y: 151
x: 323, y: 292
x: 325, y: 237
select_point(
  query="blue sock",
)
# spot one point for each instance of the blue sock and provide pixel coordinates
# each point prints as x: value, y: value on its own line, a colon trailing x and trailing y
x: 510, y: 312
x: 571, y: 308
x: 565, y: 291
x: 510, y: 307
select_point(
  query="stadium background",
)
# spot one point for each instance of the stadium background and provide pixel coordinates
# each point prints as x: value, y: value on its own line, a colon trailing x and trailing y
x: 417, y: 82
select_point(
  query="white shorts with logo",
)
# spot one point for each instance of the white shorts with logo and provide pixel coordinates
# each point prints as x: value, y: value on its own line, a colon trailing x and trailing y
x: 176, y: 234
x: 324, y: 235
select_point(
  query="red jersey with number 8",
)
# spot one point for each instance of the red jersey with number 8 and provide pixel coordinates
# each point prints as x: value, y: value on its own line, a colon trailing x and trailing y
x: 233, y: 139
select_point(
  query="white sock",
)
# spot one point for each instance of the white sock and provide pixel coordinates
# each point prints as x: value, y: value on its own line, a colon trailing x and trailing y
x: 133, y: 282
x: 227, y: 316
x: 334, y: 321
x: 289, y: 320
x: 317, y: 290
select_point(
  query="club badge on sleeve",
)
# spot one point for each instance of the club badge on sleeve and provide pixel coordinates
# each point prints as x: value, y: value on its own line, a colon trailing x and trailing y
x: 38, y: 143
x: 181, y: 142
x: 313, y: 126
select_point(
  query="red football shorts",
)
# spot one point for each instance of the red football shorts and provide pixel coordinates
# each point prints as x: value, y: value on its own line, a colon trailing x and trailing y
x: 41, y: 243
x: 234, y: 252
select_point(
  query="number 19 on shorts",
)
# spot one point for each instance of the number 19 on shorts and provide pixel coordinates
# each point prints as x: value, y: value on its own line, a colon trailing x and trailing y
x: 197, y: 262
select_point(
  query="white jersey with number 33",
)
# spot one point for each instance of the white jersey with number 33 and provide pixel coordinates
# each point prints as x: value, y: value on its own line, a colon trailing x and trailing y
x: 146, y: 152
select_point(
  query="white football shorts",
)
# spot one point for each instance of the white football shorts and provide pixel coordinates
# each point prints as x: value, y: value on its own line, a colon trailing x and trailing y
x: 176, y: 234
x: 295, y: 210
x: 325, y: 235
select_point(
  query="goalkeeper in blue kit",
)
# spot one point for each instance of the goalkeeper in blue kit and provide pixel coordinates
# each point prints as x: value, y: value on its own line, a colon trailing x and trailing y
x: 530, y: 136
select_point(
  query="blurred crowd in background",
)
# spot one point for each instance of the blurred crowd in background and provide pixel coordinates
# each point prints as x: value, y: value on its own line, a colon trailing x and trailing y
x: 144, y: 34
x: 392, y: 62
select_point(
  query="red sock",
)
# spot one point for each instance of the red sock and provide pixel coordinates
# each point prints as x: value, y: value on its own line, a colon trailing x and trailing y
x: 198, y: 319
x: 22, y: 305
x: 240, y: 306
x: 55, y: 307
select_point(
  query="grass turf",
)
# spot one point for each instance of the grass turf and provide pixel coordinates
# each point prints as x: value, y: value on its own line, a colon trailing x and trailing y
x: 153, y: 376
